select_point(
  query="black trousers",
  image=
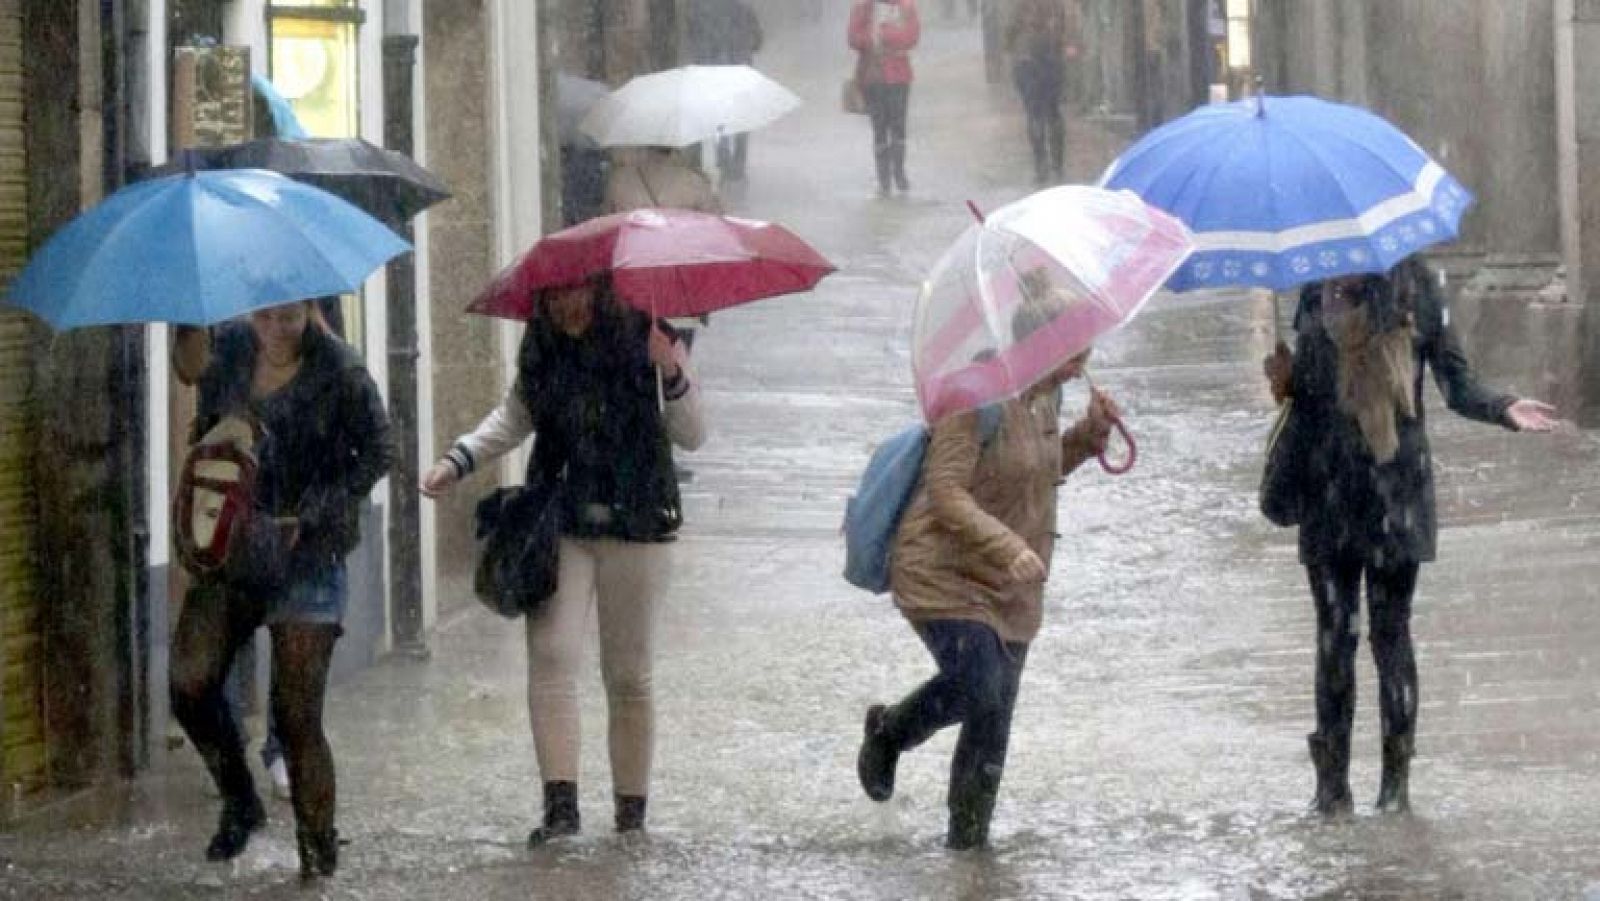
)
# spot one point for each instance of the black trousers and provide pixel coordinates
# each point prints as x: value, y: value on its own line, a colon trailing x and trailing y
x: 979, y: 675
x: 1336, y: 590
x: 887, y: 106
x: 1040, y: 82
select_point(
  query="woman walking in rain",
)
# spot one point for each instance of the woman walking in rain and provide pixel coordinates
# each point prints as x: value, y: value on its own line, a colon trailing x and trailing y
x: 883, y: 34
x: 1040, y: 37
x: 328, y: 436
x: 606, y: 392
x: 1357, y: 478
x: 968, y: 569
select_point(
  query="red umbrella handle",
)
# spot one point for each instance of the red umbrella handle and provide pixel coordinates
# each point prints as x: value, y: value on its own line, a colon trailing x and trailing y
x: 1125, y: 466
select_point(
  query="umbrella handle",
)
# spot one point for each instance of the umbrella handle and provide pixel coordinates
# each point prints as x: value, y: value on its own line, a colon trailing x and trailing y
x: 1125, y: 466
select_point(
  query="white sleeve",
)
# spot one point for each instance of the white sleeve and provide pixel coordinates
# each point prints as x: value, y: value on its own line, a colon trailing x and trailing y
x: 506, y: 427
x: 685, y: 418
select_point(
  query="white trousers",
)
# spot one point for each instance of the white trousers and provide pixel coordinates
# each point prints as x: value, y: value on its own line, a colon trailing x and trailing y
x: 620, y: 583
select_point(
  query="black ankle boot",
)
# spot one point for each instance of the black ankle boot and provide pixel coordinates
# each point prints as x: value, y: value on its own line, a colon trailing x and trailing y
x: 1394, y: 790
x: 1330, y: 754
x: 240, y: 818
x: 319, y: 854
x: 630, y: 813
x: 876, y: 761
x: 560, y: 813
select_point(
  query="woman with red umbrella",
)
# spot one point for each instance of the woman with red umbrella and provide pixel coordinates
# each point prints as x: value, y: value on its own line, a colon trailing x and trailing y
x: 587, y: 387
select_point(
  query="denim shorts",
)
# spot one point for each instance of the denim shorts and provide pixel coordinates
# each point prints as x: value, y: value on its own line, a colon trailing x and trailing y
x: 319, y: 598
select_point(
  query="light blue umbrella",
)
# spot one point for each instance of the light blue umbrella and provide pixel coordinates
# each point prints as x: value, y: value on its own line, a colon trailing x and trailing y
x: 1281, y: 191
x: 199, y: 248
x: 285, y: 124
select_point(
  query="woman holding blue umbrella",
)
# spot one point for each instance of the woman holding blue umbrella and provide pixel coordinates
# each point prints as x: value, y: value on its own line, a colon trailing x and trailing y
x: 1299, y: 193
x: 327, y: 445
x: 1355, y: 475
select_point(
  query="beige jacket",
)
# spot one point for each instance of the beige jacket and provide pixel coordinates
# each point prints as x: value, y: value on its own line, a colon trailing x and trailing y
x: 976, y: 510
x: 655, y: 180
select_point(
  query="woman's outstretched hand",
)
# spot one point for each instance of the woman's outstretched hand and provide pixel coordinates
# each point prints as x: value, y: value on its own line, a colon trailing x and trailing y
x: 439, y: 479
x: 1279, y: 369
x: 1532, y: 416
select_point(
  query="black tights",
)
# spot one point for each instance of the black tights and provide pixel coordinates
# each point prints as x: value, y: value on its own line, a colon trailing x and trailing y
x: 1336, y: 589
x: 214, y: 624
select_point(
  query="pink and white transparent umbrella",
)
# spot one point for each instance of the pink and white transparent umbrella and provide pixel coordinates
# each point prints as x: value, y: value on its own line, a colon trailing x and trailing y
x: 1033, y: 285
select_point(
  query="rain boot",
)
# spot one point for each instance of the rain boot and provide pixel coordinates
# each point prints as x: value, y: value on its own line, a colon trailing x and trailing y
x: 630, y: 813
x: 560, y: 813
x: 319, y: 853
x: 875, y: 763
x: 971, y: 809
x: 1394, y: 789
x: 898, y: 155
x: 1330, y: 754
x: 240, y: 817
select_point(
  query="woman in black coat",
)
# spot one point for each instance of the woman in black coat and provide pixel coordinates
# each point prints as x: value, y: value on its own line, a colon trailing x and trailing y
x: 1354, y: 472
x: 328, y: 443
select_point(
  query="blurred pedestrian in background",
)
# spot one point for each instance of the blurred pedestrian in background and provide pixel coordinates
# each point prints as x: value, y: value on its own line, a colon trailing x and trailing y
x: 1040, y: 37
x: 726, y: 33
x: 883, y: 33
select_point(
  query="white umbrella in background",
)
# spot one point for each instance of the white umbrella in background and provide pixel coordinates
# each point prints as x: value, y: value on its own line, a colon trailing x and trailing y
x: 687, y: 105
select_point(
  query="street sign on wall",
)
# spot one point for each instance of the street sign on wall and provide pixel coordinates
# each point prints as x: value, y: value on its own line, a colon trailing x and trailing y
x: 212, y: 103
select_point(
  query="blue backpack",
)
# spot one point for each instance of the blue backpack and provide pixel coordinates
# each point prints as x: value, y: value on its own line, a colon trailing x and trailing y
x: 872, y: 515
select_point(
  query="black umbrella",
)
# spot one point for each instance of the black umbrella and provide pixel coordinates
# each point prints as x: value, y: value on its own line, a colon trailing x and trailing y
x: 389, y: 185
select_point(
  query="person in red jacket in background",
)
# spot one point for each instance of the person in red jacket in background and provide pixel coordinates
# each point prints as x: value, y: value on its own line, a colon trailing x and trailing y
x: 883, y: 33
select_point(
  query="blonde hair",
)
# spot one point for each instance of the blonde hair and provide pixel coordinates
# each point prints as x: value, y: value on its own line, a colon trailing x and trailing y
x: 1377, y: 377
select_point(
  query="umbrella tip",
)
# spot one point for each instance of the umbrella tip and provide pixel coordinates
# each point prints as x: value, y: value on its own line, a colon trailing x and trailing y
x: 976, y: 213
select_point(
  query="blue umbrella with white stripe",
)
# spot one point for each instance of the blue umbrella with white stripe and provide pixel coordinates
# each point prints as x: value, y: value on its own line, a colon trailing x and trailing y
x: 1281, y: 191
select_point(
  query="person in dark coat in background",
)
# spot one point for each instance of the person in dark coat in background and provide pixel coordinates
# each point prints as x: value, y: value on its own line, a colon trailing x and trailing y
x: 1041, y: 36
x: 329, y: 445
x: 726, y: 33
x: 1359, y: 484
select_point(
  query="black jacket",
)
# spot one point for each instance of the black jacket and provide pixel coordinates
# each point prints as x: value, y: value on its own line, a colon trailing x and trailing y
x: 598, y: 428
x: 328, y: 437
x: 1348, y: 506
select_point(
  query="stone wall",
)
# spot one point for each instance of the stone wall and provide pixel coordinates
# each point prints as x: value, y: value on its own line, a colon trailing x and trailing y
x: 467, y: 380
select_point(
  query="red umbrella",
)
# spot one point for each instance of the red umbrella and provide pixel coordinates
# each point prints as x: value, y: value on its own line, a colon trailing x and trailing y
x: 663, y: 262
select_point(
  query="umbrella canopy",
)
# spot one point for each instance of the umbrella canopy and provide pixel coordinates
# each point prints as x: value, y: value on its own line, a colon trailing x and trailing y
x: 1032, y: 286
x: 285, y: 124
x: 389, y: 185
x: 664, y: 262
x: 200, y: 248
x: 1280, y: 191
x: 575, y: 97
x: 683, y: 106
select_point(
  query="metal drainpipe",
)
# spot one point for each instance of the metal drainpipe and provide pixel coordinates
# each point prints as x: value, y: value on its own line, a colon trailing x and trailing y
x: 130, y: 527
x: 405, y: 523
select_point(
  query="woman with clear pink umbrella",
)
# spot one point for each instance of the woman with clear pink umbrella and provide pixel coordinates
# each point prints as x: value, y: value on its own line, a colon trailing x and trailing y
x: 1009, y: 315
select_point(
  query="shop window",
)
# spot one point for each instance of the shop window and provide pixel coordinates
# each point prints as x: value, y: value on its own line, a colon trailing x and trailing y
x: 313, y: 58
